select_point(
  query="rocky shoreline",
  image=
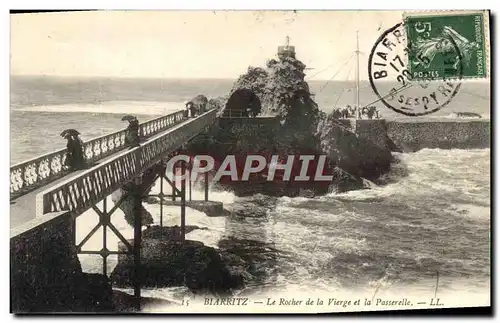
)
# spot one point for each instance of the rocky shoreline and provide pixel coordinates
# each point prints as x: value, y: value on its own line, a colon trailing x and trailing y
x: 165, y: 262
x: 168, y: 262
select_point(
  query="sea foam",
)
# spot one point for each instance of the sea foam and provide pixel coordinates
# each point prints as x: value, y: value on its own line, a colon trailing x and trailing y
x: 119, y: 107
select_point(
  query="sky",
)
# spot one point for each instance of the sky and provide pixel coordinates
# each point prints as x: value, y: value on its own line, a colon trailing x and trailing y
x: 191, y: 44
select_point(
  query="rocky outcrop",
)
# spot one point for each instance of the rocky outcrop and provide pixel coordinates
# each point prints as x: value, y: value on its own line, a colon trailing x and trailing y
x: 166, y: 263
x: 358, y: 147
x: 252, y: 260
x: 198, y: 103
x: 284, y: 94
x: 354, y: 147
x: 276, y: 85
x: 343, y: 182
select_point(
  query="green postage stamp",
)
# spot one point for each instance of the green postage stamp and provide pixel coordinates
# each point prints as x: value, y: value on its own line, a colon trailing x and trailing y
x: 448, y: 44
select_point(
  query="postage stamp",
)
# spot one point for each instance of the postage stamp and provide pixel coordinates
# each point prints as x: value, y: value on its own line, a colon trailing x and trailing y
x: 392, y: 81
x: 433, y: 41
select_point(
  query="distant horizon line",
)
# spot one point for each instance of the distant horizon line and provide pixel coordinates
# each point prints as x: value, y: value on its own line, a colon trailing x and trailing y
x: 192, y: 78
x: 156, y: 77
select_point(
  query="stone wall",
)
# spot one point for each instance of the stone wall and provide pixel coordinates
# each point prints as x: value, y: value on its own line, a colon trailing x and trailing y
x: 454, y: 134
x: 43, y: 263
x: 252, y: 133
x: 45, y: 273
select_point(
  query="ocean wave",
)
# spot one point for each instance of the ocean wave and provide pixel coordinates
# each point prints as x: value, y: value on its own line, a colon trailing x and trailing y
x: 432, y: 172
x: 470, y: 211
x: 388, y: 240
x: 118, y: 107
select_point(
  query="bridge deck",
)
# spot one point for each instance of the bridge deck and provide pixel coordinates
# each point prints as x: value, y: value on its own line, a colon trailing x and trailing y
x: 23, y: 208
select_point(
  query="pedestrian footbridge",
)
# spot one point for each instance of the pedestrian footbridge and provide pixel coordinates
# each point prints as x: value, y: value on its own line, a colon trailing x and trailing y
x: 42, y: 185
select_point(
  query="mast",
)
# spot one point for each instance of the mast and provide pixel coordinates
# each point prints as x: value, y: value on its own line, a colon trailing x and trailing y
x: 357, y: 71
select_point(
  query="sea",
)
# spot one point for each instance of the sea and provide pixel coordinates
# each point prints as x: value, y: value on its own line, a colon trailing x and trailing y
x: 423, y: 235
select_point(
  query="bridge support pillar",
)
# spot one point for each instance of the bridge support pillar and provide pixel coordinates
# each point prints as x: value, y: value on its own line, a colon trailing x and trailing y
x: 105, y: 220
x: 137, y: 192
x: 183, y: 201
x: 161, y: 196
x: 190, y: 183
x: 206, y: 186
x: 174, y: 190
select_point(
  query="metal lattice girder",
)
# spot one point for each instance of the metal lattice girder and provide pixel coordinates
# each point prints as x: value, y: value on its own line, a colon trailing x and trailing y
x: 105, y: 220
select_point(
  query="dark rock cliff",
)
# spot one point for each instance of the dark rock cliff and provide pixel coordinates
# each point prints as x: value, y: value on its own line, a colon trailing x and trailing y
x: 301, y: 128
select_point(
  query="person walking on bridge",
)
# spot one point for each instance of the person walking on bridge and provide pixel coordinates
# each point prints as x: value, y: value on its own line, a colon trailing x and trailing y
x: 192, y: 109
x: 132, y: 137
x: 75, y: 158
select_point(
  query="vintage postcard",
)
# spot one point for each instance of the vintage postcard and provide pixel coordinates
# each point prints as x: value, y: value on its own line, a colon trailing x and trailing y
x: 250, y: 161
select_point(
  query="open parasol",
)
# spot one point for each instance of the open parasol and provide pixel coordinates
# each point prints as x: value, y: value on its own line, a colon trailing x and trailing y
x: 128, y: 117
x: 69, y: 132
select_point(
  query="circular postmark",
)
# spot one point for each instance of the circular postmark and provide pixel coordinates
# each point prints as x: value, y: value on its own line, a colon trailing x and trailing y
x: 422, y: 93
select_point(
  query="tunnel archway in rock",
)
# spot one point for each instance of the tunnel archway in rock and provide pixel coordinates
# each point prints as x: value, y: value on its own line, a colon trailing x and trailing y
x: 243, y: 103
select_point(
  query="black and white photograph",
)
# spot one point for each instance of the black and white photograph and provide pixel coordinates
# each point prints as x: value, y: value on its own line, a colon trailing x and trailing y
x: 250, y: 161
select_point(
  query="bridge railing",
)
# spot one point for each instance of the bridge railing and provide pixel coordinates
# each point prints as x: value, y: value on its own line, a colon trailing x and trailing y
x: 79, y: 193
x: 155, y: 126
x: 37, y: 172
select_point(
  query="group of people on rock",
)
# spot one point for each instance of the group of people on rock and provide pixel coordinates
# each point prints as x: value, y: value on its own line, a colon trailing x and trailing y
x: 370, y: 112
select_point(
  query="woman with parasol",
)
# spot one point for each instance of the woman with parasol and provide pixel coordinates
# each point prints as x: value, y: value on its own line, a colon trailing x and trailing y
x: 132, y: 136
x: 74, y: 149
